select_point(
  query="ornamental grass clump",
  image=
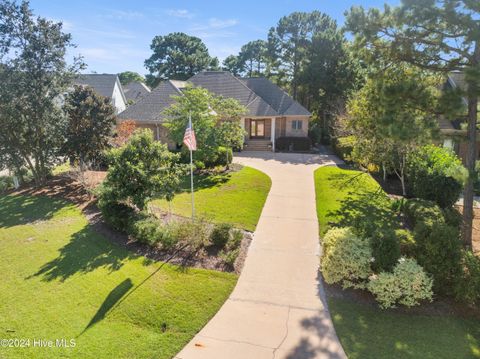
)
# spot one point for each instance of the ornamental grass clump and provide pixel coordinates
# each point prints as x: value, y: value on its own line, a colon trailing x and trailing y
x: 346, y: 258
x: 408, y: 285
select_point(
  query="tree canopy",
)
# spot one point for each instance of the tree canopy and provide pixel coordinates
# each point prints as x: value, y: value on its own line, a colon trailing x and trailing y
x: 34, y: 74
x: 91, y: 119
x: 209, y: 114
x: 439, y: 35
x: 130, y: 76
x: 178, y: 56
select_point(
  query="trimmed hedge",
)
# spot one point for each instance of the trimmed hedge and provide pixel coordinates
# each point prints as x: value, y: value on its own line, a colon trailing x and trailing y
x: 301, y: 144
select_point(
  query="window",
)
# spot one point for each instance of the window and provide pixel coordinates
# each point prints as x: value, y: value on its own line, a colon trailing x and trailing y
x: 297, y: 124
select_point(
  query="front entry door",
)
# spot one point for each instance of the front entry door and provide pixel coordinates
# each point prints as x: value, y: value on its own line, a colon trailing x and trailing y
x: 257, y: 129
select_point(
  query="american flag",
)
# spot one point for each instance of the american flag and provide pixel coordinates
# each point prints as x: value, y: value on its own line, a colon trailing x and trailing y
x: 189, y: 138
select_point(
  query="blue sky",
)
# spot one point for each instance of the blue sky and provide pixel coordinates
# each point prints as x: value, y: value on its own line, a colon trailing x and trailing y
x: 115, y: 36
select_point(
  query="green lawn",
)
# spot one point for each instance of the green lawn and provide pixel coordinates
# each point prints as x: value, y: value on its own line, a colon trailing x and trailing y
x: 60, y: 279
x: 332, y: 185
x: 236, y: 198
x: 368, y: 332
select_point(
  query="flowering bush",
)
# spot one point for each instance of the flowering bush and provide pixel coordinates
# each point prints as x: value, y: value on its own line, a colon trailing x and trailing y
x: 407, y: 285
x: 346, y: 258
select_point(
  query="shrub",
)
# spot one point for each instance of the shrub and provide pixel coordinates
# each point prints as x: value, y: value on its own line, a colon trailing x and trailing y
x: 116, y: 214
x: 385, y: 251
x: 236, y: 237
x: 222, y: 154
x: 343, y: 147
x: 220, y: 234
x: 435, y: 173
x: 407, y: 285
x: 151, y: 231
x: 345, y: 258
x: 467, y: 287
x: 301, y: 144
x: 453, y: 217
x: 406, y: 242
x: 146, y: 230
x: 193, y: 234
x: 6, y: 183
x: 229, y: 257
x: 418, y: 210
x: 439, y: 253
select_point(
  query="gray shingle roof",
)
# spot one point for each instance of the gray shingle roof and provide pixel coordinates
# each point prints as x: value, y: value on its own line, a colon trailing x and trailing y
x: 135, y: 90
x: 278, y: 99
x: 151, y: 106
x: 225, y: 84
x: 101, y: 83
x: 259, y: 95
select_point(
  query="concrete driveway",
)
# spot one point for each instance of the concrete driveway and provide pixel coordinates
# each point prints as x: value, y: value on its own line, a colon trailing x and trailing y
x: 277, y: 309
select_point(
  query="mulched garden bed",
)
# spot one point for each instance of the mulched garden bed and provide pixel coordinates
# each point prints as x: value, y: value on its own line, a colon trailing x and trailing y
x: 439, y: 307
x: 67, y: 188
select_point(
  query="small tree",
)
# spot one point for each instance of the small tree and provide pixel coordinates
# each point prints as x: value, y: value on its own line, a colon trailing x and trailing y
x: 91, y: 119
x: 393, y: 114
x: 130, y: 76
x: 208, y: 113
x: 141, y: 170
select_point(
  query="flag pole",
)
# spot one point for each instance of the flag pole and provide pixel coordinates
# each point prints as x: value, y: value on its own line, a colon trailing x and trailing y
x: 191, y: 169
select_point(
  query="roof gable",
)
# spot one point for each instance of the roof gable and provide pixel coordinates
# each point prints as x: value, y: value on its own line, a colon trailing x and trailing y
x: 101, y: 83
x: 278, y: 99
x: 150, y: 107
x: 135, y: 90
x: 225, y: 84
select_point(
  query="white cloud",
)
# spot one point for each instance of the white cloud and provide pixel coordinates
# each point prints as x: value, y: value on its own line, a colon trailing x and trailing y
x: 181, y: 13
x: 215, y: 23
x: 123, y: 15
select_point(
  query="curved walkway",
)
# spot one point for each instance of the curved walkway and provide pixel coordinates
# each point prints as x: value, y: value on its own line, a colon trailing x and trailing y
x: 277, y: 309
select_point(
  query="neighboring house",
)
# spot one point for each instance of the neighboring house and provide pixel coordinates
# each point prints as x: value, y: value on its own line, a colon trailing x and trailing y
x: 454, y: 132
x: 272, y: 113
x: 134, y: 91
x: 107, y: 85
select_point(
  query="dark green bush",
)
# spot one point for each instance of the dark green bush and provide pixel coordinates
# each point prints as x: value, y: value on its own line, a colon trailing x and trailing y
x: 453, y: 217
x: 467, y: 286
x: 6, y: 183
x: 406, y: 241
x: 118, y: 215
x: 301, y: 144
x: 419, y: 210
x: 209, y: 157
x: 343, y: 147
x: 146, y: 230
x: 385, y: 251
x: 436, y: 174
x: 192, y: 234
x: 439, y: 253
x: 236, y: 237
x: 220, y: 234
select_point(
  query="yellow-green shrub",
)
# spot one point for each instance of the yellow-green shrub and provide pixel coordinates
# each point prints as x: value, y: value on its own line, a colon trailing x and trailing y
x: 407, y: 285
x: 345, y: 258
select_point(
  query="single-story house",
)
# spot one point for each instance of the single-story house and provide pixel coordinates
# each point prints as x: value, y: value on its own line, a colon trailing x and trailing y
x: 107, y: 85
x: 134, y: 91
x: 454, y: 132
x: 272, y: 113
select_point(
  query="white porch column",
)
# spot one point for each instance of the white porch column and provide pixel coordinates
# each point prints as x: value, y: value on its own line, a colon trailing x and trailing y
x: 272, y: 134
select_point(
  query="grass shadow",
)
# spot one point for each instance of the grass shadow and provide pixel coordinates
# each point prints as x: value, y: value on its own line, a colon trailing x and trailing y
x: 85, y: 252
x: 17, y: 209
x: 110, y: 302
x: 204, y: 181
